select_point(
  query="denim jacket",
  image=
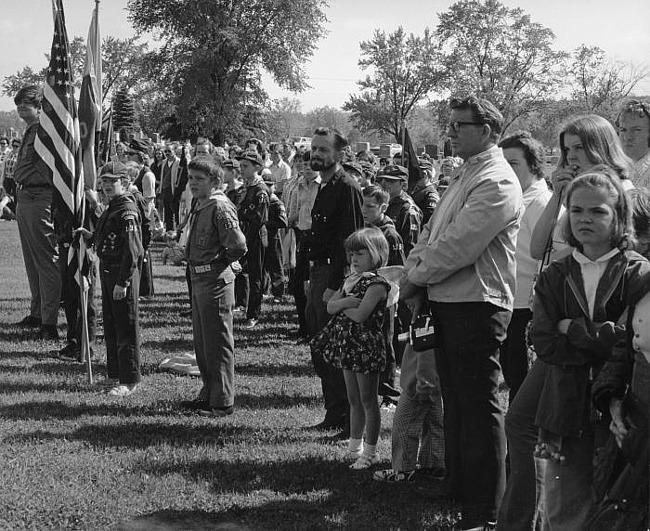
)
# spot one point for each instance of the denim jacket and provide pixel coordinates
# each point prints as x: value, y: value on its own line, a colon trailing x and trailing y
x: 466, y: 252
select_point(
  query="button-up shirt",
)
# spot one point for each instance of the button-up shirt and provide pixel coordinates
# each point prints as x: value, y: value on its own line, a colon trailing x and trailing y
x: 30, y: 170
x: 641, y: 175
x: 302, y: 201
x: 335, y: 215
x: 466, y: 253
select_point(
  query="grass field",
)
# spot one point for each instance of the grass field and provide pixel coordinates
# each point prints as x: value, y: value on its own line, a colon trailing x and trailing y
x: 74, y: 458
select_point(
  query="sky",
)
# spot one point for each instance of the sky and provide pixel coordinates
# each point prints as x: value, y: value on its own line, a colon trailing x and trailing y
x: 619, y: 27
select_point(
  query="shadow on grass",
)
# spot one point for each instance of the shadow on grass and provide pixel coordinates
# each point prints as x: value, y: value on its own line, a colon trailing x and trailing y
x: 250, y: 369
x: 307, y: 493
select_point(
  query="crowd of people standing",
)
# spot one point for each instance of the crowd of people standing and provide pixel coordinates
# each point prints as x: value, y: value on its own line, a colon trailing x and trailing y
x: 500, y: 257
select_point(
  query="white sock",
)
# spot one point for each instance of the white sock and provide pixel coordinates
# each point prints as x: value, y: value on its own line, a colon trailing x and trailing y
x: 355, y: 445
x: 369, y: 449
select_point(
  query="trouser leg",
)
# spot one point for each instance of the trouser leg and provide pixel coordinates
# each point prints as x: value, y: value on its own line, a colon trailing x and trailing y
x: 255, y: 263
x: 514, y: 351
x: 521, y: 507
x: 212, y: 305
x: 475, y: 446
x: 332, y: 381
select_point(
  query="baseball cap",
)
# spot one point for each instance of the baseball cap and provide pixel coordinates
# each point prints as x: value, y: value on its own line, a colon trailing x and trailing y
x: 252, y: 156
x: 352, y: 167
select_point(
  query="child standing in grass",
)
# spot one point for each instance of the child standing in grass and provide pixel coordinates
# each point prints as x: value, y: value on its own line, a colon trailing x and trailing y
x: 354, y: 339
x: 215, y: 242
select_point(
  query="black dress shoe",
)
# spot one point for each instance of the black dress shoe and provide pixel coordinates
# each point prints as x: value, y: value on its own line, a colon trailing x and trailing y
x: 49, y: 333
x: 30, y: 322
x: 217, y: 412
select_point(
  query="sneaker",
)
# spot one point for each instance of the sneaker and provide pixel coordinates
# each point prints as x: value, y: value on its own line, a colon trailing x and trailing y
x: 30, y: 322
x: 365, y: 461
x: 352, y: 456
x: 387, y: 405
x: 217, y: 412
x: 250, y: 324
x: 394, y: 476
x: 123, y: 390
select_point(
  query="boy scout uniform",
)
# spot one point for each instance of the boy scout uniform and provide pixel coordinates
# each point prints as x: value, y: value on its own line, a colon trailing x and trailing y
x: 118, y: 244
x: 214, y: 243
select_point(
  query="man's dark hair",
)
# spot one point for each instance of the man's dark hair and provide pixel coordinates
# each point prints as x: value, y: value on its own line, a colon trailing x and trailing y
x: 210, y: 168
x: 340, y: 142
x: 377, y: 193
x: 533, y: 150
x: 30, y: 95
x: 484, y: 111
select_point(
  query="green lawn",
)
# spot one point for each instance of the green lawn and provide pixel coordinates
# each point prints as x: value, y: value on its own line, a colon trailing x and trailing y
x: 74, y: 458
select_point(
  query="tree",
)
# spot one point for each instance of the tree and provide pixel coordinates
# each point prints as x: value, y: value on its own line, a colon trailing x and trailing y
x: 285, y: 119
x: 405, y: 70
x: 328, y: 117
x: 498, y: 53
x: 125, y: 121
x: 213, y: 51
x: 599, y: 83
x: 122, y: 67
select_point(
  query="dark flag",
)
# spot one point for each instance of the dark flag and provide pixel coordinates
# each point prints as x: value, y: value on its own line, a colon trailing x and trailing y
x: 90, y: 102
x: 108, y: 147
x: 408, y: 151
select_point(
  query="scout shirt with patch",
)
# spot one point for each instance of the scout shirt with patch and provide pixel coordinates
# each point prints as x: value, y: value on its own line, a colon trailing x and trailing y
x: 426, y: 197
x: 407, y: 218
x: 117, y: 240
x: 254, y: 212
x: 215, y: 236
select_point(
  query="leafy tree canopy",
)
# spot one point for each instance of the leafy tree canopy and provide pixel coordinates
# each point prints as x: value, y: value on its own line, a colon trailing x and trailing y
x: 213, y: 51
x: 404, y: 71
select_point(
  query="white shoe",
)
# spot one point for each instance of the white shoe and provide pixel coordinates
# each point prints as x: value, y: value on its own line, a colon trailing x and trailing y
x: 123, y: 390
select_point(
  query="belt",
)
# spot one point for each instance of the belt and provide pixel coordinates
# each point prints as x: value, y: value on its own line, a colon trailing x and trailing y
x: 321, y: 262
x: 205, y: 268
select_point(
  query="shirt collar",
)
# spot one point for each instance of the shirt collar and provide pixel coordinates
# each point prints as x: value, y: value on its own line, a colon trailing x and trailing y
x: 582, y: 259
x: 484, y: 155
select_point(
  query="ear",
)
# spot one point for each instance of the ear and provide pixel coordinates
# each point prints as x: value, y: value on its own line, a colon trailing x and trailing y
x: 383, y: 207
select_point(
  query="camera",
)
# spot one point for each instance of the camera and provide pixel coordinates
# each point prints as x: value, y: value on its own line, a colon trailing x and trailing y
x: 422, y: 334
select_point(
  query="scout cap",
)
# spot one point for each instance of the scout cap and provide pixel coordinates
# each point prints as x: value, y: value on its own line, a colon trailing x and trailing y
x: 231, y: 163
x: 395, y: 173
x: 353, y: 167
x: 139, y: 145
x: 252, y: 156
x: 113, y: 170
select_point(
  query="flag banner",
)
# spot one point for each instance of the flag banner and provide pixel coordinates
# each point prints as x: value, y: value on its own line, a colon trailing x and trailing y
x: 90, y: 102
x: 413, y: 165
x: 58, y: 138
x: 108, y: 144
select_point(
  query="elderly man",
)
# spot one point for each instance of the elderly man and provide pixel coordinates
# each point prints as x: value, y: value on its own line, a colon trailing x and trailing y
x: 633, y: 124
x: 34, y: 215
x: 463, y: 269
x: 337, y: 213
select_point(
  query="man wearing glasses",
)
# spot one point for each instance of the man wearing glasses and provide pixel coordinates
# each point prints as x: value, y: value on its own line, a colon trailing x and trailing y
x: 462, y: 270
x: 633, y: 124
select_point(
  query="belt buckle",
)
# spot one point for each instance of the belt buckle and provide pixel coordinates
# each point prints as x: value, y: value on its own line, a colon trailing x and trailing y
x: 202, y: 268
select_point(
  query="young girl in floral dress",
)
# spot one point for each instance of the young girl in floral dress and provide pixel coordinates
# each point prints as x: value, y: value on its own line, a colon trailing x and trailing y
x: 354, y: 339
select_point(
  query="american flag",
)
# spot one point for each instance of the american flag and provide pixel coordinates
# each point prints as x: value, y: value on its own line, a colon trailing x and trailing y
x: 58, y: 138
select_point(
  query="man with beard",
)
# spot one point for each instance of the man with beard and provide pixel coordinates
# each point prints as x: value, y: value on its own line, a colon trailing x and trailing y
x: 336, y: 214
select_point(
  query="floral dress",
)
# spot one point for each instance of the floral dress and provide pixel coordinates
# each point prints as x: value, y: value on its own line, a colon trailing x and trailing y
x: 359, y: 347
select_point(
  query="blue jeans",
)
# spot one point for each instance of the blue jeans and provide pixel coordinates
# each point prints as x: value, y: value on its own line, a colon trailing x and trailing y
x: 523, y: 502
x: 470, y: 334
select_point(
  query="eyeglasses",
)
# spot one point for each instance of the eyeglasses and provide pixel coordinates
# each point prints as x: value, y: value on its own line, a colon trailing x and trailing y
x: 168, y: 152
x: 456, y: 125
